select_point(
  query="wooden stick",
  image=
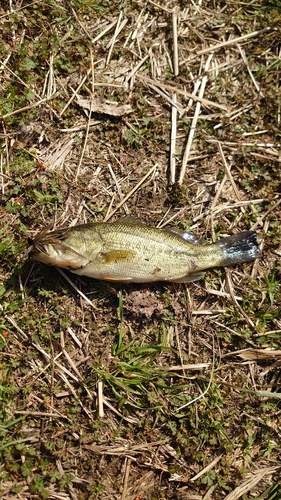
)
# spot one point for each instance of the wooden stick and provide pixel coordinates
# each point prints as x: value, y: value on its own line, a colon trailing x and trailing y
x: 89, y: 118
x: 260, y: 219
x: 119, y: 27
x: 232, y: 41
x: 25, y: 108
x: 100, y: 35
x: 228, y: 172
x: 75, y: 287
x: 108, y: 216
x: 245, y: 60
x: 173, y: 141
x: 167, y: 87
x: 167, y: 97
x: 175, y: 41
x: 128, y: 462
x: 76, y: 92
x: 135, y: 69
x: 100, y: 399
x: 194, y: 122
x: 208, y: 467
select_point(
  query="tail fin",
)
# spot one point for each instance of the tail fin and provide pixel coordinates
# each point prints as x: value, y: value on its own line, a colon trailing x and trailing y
x: 241, y: 247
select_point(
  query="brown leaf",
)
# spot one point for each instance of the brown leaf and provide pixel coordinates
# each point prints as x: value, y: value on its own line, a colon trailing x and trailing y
x: 260, y: 354
x: 104, y: 107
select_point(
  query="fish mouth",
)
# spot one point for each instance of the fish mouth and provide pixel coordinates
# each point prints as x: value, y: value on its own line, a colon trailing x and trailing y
x: 50, y: 242
x: 47, y: 237
x: 50, y: 248
x: 55, y: 256
x: 35, y: 245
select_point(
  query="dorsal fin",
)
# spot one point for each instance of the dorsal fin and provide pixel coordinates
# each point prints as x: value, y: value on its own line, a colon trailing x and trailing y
x: 185, y: 235
x: 130, y: 219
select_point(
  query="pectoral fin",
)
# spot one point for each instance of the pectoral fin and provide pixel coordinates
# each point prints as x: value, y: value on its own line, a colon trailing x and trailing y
x: 119, y: 279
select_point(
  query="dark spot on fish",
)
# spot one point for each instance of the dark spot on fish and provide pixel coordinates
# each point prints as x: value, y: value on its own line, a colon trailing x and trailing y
x: 156, y: 270
x: 192, y: 264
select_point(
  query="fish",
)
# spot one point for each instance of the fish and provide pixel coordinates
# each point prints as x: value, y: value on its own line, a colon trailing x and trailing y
x: 130, y: 251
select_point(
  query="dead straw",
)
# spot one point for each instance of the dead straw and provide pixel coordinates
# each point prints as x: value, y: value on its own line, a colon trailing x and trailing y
x: 131, y: 192
x: 194, y: 122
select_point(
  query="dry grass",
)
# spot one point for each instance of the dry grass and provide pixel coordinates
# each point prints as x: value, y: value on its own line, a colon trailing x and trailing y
x: 169, y: 112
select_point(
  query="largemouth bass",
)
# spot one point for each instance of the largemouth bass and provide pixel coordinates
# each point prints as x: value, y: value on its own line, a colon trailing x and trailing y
x: 130, y: 251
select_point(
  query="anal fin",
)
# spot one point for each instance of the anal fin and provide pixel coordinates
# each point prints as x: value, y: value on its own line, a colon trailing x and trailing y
x: 130, y: 219
x: 191, y: 277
